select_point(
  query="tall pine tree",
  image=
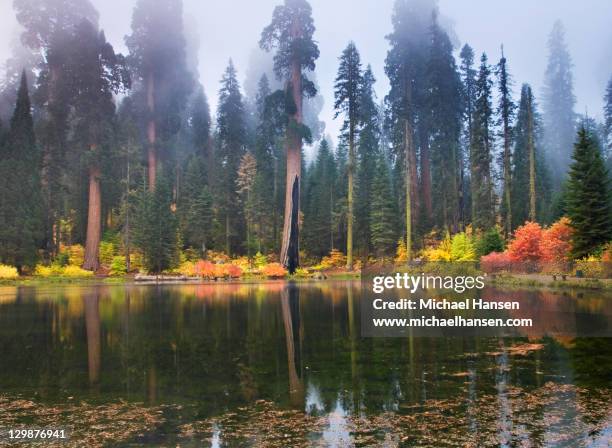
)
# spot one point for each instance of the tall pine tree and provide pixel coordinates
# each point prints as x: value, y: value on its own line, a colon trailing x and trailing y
x: 481, y: 147
x: 506, y: 109
x: 231, y: 145
x: 346, y: 93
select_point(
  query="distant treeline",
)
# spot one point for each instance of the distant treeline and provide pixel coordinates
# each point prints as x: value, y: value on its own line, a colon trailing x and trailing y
x: 102, y: 145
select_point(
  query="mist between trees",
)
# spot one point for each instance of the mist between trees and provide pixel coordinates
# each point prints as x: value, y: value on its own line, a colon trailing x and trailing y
x: 121, y: 154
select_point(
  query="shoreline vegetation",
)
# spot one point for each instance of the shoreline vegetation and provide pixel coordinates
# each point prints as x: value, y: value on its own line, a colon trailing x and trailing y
x: 506, y: 280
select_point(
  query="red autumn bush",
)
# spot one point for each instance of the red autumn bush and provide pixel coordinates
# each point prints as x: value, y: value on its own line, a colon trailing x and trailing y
x: 525, y: 247
x: 274, y: 270
x: 496, y: 262
x: 204, y: 269
x: 233, y: 271
x: 556, y: 242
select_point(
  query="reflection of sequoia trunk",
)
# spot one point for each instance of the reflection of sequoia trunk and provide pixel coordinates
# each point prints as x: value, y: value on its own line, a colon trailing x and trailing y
x: 151, y: 133
x: 296, y: 389
x: 94, y: 223
x: 92, y: 324
x: 289, y: 255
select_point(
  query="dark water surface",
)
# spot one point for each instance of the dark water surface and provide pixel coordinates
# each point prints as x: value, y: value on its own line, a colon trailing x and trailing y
x: 274, y: 364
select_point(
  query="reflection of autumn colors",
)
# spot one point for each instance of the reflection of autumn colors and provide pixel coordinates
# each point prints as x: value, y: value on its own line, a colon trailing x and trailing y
x: 553, y: 314
x: 284, y: 364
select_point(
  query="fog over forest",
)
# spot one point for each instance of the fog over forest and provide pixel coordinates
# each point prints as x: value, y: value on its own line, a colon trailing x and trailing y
x: 231, y: 28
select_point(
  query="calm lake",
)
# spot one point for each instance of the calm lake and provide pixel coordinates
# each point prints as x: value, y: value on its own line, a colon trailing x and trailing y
x: 278, y: 365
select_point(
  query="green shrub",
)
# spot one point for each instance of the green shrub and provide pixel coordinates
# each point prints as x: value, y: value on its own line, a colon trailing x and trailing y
x: 118, y: 266
x: 462, y: 248
x: 107, y: 252
x: 489, y: 241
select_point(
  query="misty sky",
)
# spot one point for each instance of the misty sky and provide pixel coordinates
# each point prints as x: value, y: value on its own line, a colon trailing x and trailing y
x: 231, y: 28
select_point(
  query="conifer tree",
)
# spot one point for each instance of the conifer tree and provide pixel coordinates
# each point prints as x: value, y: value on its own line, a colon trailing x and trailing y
x: 346, y: 93
x: 101, y: 73
x: 506, y: 109
x: 319, y: 203
x: 290, y: 32
x: 231, y: 141
x: 155, y: 229
x: 530, y: 183
x: 196, y: 214
x: 383, y: 216
x: 608, y: 121
x: 268, y: 154
x: 367, y: 154
x: 558, y: 105
x: 158, y: 60
x: 589, y: 200
x: 468, y: 78
x: 21, y: 226
x: 200, y: 123
x: 405, y: 66
x: 444, y: 124
x: 480, y: 150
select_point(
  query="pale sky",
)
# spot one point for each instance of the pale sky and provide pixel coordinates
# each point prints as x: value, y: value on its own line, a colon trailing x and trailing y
x: 231, y: 28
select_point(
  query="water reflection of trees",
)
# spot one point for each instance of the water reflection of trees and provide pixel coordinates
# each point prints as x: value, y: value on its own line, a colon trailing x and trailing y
x: 217, y: 348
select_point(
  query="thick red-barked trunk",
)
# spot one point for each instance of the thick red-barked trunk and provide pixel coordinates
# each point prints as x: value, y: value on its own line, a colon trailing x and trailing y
x: 290, y: 249
x: 151, y: 133
x: 94, y: 220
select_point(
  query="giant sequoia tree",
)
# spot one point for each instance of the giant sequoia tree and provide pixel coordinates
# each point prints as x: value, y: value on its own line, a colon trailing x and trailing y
x: 101, y: 73
x: 290, y: 32
x: 347, y: 101
x: 158, y: 59
x: 50, y: 28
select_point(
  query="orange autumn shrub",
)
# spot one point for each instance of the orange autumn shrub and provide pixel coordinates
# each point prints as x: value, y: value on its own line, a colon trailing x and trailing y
x: 525, y: 247
x: 335, y: 259
x: 496, y: 262
x: 274, y: 270
x: 227, y: 271
x: 556, y: 243
x: 204, y: 269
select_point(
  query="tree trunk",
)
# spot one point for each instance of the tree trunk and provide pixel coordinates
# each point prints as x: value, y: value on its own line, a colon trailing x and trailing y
x: 289, y: 255
x: 94, y: 222
x: 507, y: 180
x: 426, y: 173
x: 351, y: 167
x: 151, y: 133
x: 408, y: 148
x: 532, y: 164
